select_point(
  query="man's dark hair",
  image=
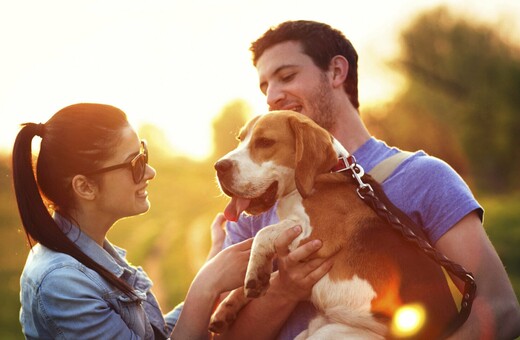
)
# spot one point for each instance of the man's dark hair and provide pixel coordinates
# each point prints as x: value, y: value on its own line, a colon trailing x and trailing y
x: 320, y: 42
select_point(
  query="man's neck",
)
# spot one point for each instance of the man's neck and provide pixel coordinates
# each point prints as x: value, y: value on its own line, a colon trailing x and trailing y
x: 350, y: 130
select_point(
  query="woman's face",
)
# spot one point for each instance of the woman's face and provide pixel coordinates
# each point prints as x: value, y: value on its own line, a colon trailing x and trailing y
x: 119, y: 196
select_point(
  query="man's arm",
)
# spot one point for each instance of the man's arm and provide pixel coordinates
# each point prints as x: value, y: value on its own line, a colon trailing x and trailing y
x: 263, y: 318
x: 495, y: 312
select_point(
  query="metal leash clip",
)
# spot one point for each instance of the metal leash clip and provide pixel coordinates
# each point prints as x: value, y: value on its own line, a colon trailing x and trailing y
x: 357, y: 172
x: 346, y: 161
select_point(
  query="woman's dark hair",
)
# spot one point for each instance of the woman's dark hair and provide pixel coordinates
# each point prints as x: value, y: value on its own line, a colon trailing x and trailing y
x: 74, y: 141
x: 320, y: 42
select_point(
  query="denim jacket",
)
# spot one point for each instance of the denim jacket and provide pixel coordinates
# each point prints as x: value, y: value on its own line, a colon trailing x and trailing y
x: 63, y: 299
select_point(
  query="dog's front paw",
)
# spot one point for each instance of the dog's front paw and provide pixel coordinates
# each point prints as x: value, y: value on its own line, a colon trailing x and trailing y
x: 257, y: 285
x: 223, y: 317
x: 227, y: 311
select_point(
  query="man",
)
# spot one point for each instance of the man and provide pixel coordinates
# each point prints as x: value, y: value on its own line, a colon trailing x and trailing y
x: 311, y: 68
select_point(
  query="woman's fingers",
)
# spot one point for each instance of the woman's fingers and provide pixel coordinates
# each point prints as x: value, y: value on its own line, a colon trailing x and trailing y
x: 218, y: 234
x: 217, y: 229
x: 244, y: 245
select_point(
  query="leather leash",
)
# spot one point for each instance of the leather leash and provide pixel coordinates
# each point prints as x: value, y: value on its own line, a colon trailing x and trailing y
x: 367, y: 194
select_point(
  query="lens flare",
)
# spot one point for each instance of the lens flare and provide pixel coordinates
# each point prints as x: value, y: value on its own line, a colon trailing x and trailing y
x: 408, y: 320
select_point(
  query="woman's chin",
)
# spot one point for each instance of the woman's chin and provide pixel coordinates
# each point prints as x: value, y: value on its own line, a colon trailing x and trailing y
x: 142, y: 206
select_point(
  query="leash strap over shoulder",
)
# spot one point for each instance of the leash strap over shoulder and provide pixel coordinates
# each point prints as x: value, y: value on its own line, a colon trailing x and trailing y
x: 385, y: 168
x: 367, y: 193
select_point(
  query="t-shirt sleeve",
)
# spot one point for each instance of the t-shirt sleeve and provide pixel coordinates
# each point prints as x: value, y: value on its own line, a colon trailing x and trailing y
x: 432, y: 193
x: 247, y: 226
x: 237, y: 231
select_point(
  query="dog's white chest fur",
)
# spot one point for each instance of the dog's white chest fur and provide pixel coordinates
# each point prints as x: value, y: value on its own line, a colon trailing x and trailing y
x: 345, y: 311
x: 291, y: 208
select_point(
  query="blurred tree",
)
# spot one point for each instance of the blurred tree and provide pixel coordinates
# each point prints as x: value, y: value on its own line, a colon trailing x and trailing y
x: 227, y: 125
x: 406, y: 127
x: 464, y: 76
x: 158, y: 143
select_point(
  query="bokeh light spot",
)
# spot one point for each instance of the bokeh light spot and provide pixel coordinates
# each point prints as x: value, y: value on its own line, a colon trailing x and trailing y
x: 408, y: 320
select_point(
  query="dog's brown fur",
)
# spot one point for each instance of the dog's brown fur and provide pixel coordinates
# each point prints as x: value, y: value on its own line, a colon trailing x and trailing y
x: 363, y: 246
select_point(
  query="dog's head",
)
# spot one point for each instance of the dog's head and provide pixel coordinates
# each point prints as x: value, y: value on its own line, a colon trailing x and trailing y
x: 278, y: 152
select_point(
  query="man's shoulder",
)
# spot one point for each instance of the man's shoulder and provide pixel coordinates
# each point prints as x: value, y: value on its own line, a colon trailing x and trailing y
x: 431, y: 192
x: 427, y: 168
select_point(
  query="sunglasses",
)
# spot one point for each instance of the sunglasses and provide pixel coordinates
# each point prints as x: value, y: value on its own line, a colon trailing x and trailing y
x: 137, y: 165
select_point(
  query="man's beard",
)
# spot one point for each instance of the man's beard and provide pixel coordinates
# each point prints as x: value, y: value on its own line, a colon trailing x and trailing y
x: 321, y: 106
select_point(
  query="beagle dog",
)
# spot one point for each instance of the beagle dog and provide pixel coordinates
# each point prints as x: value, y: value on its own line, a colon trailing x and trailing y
x: 285, y: 157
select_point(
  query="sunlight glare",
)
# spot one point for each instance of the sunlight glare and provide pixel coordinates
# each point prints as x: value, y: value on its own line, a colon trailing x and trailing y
x: 174, y: 61
x: 408, y: 320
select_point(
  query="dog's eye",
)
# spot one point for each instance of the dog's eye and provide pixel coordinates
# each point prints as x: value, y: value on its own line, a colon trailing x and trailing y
x: 264, y: 142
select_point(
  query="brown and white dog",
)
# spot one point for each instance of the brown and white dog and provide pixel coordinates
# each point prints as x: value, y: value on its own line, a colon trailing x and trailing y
x: 284, y: 156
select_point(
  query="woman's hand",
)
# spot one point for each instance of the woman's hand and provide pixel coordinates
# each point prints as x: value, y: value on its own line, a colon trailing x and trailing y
x: 218, y: 234
x: 227, y: 269
x: 222, y: 273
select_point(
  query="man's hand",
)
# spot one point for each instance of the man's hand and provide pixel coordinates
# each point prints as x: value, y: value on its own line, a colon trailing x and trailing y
x: 291, y: 284
x: 296, y: 275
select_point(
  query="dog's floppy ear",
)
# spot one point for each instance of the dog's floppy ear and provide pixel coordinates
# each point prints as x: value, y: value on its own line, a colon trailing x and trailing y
x: 314, y: 153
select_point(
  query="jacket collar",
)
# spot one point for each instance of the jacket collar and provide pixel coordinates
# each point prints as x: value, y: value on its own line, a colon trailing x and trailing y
x: 109, y: 256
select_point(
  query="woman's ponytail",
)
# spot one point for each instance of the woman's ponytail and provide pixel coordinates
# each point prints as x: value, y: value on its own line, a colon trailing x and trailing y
x: 37, y: 221
x: 31, y: 207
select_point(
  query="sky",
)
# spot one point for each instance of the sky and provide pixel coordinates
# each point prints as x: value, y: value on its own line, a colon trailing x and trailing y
x: 177, y: 63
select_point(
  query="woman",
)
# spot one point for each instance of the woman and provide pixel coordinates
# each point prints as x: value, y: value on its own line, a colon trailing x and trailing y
x: 91, y: 171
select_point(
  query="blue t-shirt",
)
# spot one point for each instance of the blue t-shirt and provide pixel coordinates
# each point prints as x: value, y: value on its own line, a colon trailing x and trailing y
x: 426, y: 188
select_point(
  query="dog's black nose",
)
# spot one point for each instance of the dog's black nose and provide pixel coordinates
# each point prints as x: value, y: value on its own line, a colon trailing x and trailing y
x: 223, y: 166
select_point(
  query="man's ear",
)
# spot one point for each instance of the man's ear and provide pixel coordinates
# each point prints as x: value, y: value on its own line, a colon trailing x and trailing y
x: 84, y: 188
x: 339, y: 69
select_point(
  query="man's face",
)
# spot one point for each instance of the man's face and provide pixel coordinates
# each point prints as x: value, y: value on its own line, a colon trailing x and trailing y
x: 291, y: 81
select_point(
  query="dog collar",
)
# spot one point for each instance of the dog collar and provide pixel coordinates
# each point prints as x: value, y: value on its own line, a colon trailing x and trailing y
x: 345, y: 160
x: 344, y: 163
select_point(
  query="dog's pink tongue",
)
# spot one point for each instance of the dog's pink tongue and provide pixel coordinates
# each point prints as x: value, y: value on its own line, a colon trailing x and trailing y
x: 235, y: 208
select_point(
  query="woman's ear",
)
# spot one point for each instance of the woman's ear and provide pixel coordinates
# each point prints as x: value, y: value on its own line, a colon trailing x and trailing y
x: 339, y: 68
x: 84, y: 188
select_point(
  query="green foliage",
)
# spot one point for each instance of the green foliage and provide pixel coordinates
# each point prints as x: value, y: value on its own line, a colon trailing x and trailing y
x: 13, y: 251
x: 502, y: 221
x: 228, y: 124
x: 407, y: 127
x: 464, y: 76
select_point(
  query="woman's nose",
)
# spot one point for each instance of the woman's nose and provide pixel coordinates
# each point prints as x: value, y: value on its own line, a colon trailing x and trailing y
x: 150, y: 172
